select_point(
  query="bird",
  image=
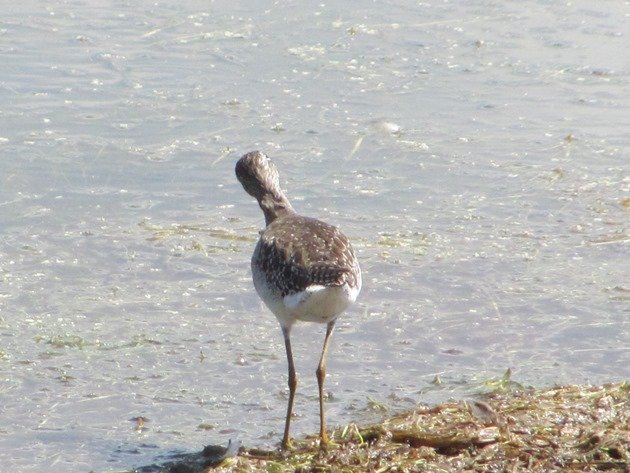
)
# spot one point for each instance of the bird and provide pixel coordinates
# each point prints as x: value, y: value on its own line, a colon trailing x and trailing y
x: 303, y: 269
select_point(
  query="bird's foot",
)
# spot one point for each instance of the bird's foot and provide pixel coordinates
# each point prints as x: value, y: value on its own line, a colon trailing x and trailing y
x: 325, y: 443
x: 286, y: 444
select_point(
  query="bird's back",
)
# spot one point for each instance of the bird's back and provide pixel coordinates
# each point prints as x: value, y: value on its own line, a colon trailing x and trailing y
x: 301, y: 263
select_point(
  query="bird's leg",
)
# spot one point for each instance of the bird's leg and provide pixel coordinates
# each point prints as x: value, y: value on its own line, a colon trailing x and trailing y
x: 286, y: 441
x: 321, y: 375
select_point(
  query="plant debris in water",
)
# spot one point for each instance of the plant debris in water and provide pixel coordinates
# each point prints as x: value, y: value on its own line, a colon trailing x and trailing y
x: 569, y: 428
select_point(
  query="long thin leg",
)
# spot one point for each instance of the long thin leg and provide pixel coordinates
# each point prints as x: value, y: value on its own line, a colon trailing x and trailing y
x: 321, y: 375
x: 286, y: 441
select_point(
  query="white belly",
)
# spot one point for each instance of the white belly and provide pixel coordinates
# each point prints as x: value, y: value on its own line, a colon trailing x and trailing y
x: 316, y: 303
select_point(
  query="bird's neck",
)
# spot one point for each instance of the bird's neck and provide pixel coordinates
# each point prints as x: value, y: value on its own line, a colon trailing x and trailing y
x: 275, y: 205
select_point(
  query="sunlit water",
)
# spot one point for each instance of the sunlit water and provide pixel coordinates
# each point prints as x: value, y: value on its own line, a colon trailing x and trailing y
x: 475, y: 153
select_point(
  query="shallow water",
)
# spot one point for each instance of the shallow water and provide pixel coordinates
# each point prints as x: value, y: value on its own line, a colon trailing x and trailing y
x: 475, y: 153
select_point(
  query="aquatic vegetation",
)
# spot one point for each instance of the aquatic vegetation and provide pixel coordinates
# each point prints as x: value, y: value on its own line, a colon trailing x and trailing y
x: 576, y: 428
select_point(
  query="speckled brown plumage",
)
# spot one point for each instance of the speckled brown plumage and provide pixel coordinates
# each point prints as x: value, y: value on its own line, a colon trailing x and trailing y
x: 296, y: 252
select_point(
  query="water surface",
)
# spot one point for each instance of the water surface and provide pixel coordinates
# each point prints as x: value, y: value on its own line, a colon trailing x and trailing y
x: 475, y: 153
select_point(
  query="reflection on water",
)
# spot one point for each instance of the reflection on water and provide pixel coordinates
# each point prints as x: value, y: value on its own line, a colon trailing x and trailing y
x: 473, y: 153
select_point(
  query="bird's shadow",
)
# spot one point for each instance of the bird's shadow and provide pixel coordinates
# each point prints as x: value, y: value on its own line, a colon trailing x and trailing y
x: 196, y: 462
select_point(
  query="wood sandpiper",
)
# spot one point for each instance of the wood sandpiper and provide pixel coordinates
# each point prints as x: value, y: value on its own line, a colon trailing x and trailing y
x: 303, y: 269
